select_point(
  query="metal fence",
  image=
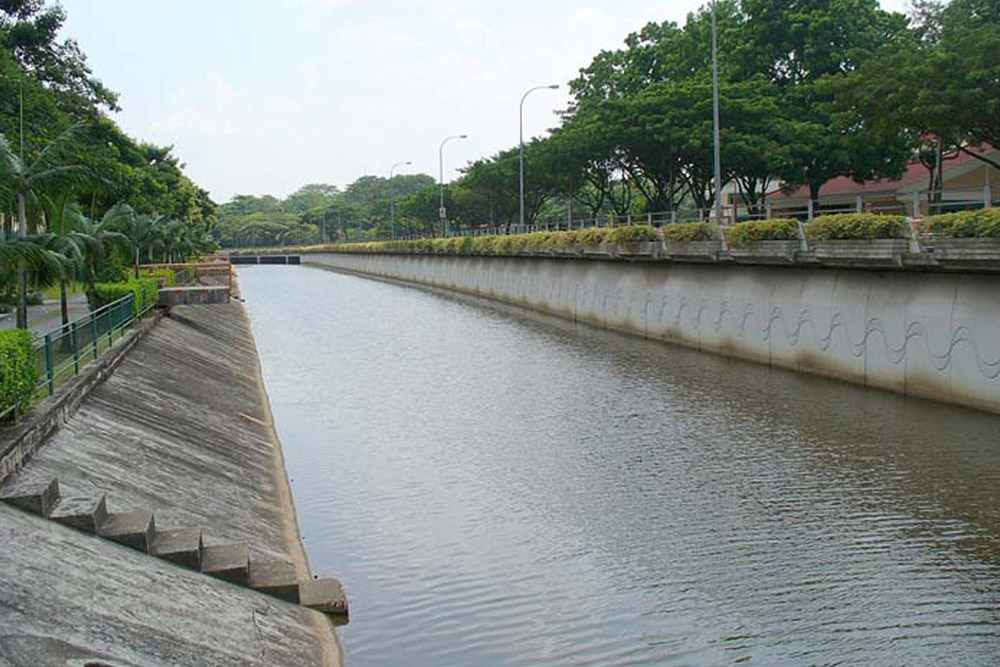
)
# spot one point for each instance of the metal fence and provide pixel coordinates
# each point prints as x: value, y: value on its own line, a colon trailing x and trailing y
x: 62, y: 352
x: 914, y: 204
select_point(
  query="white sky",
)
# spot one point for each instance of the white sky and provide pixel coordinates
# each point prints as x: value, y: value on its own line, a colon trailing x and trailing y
x: 263, y: 96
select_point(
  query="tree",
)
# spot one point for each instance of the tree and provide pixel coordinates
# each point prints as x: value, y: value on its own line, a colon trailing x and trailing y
x: 26, y: 181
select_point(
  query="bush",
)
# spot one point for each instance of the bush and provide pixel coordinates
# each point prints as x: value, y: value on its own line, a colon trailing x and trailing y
x: 687, y: 232
x: 978, y: 223
x: 145, y: 290
x: 778, y: 229
x: 166, y: 277
x: 857, y: 226
x: 18, y: 369
x: 633, y: 234
x: 592, y: 237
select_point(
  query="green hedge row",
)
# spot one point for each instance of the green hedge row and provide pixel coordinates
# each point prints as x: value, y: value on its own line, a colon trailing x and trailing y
x: 166, y: 277
x: 776, y: 229
x: 858, y: 226
x: 978, y: 223
x: 18, y: 369
x: 146, y: 291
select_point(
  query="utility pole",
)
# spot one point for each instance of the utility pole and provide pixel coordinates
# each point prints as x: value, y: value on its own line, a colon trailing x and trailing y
x: 442, y: 212
x: 715, y: 120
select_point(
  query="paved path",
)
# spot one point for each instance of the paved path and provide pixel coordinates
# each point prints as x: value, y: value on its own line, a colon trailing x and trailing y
x: 46, y: 317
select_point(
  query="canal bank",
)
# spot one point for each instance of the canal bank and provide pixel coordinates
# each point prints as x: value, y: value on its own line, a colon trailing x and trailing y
x: 919, y: 333
x: 181, y: 430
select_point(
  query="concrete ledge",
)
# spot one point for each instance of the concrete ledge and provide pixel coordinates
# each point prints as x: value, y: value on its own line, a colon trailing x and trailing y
x: 18, y: 443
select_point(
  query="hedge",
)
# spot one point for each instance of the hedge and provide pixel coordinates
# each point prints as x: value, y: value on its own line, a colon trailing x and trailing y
x: 633, y: 234
x: 857, y: 226
x: 146, y: 291
x: 688, y: 232
x: 978, y: 223
x: 777, y: 229
x: 168, y: 276
x: 18, y: 369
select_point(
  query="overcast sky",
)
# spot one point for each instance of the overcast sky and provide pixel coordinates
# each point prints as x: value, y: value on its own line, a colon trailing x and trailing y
x: 263, y: 96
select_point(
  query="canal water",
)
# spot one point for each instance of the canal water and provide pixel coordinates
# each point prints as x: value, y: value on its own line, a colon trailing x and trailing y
x: 499, y: 488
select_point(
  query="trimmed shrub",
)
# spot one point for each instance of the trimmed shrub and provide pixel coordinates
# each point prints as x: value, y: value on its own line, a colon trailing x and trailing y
x: 166, y: 277
x: 688, y: 232
x: 857, y: 226
x: 779, y: 229
x: 18, y: 369
x: 633, y: 234
x: 977, y: 223
x: 592, y: 237
x: 145, y: 290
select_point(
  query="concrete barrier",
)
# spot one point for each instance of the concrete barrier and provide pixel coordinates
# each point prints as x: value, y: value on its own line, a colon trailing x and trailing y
x: 929, y: 334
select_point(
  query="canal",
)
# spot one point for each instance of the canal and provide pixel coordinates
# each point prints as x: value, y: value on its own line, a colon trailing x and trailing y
x: 500, y: 488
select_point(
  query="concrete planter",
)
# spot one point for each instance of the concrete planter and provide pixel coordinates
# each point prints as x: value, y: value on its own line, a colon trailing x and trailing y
x: 574, y: 250
x: 696, y: 251
x: 639, y: 250
x: 767, y: 252
x: 862, y: 253
x: 964, y: 253
x: 600, y: 251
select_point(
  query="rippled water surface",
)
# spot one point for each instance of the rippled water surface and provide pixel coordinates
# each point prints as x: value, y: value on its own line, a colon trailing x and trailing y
x: 497, y: 488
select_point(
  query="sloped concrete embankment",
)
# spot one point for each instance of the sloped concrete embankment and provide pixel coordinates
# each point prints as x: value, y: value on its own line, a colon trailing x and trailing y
x: 181, y: 429
x: 927, y: 334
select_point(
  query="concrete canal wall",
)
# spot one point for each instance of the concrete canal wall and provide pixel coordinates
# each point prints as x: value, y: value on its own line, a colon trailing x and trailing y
x: 929, y: 334
x: 182, y: 429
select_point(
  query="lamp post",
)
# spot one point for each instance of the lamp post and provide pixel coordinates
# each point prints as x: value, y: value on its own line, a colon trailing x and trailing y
x: 521, y: 141
x: 715, y: 121
x: 392, y: 200
x: 442, y: 213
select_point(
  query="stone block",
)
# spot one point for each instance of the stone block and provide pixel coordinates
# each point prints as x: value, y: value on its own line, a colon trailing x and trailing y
x: 229, y: 562
x: 132, y: 529
x: 181, y: 547
x: 325, y: 595
x: 86, y: 513
x: 278, y: 578
x: 35, y: 497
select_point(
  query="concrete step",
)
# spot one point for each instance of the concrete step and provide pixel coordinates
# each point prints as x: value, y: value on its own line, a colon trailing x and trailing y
x: 133, y: 529
x: 86, y: 513
x: 229, y: 562
x: 183, y: 547
x: 278, y: 578
x: 325, y: 595
x: 38, y: 497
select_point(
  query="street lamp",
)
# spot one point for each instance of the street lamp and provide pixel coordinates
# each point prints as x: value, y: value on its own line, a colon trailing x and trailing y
x: 715, y: 121
x: 442, y: 213
x: 392, y: 201
x: 521, y: 140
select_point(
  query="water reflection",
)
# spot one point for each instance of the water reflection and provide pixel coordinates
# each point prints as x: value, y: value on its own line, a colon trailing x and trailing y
x: 499, y: 488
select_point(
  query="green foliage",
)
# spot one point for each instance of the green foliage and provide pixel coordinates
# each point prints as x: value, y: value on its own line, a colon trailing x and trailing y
x: 165, y: 277
x: 688, y: 232
x: 592, y: 237
x: 857, y: 226
x: 776, y: 229
x: 633, y: 234
x: 978, y: 223
x: 18, y: 369
x: 145, y: 290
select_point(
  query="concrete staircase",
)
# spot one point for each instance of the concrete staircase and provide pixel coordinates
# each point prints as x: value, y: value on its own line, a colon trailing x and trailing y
x: 185, y: 547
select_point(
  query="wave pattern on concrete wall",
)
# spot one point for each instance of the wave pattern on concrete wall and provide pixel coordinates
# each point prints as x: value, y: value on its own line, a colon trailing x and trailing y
x: 926, y: 334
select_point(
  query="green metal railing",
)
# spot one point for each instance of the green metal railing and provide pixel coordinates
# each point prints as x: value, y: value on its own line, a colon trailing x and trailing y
x: 62, y: 352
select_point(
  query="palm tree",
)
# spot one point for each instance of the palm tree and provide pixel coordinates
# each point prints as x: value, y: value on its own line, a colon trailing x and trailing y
x: 102, y: 240
x: 142, y: 230
x: 24, y: 181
